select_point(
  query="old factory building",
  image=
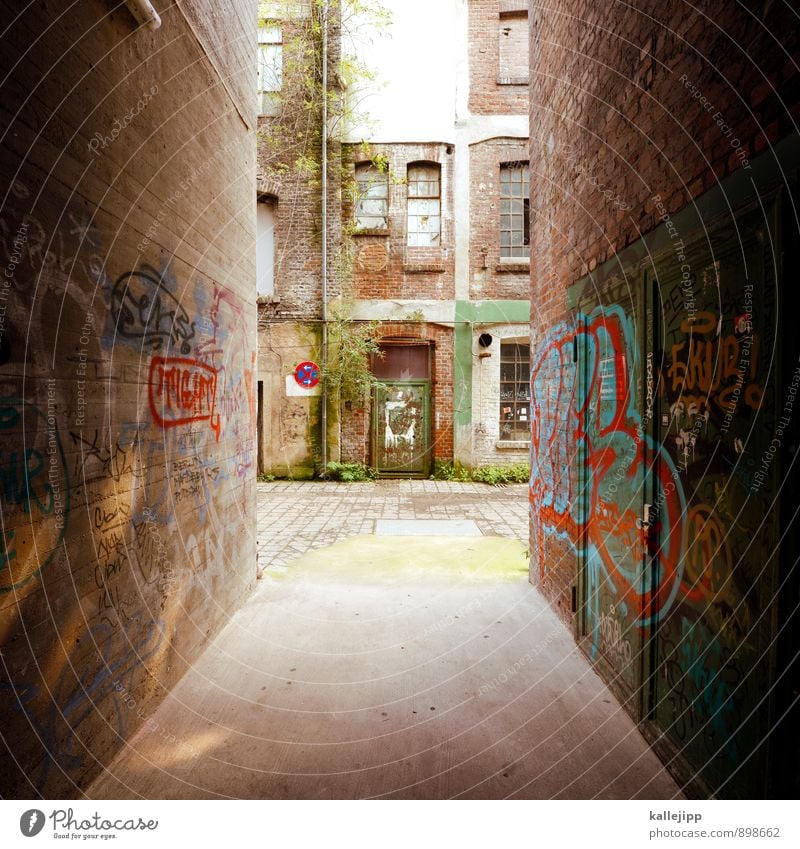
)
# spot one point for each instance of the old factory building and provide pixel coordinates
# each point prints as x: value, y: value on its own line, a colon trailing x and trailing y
x: 427, y: 237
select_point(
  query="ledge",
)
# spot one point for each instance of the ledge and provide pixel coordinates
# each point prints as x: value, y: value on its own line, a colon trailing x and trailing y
x: 512, y: 445
x: 372, y: 231
x: 516, y: 267
x: 513, y: 81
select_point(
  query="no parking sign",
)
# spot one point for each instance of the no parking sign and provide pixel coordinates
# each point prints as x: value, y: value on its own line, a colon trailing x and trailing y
x: 307, y: 374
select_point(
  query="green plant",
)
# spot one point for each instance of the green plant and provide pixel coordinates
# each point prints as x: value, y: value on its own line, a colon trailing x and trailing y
x: 264, y: 478
x: 444, y: 471
x: 350, y: 345
x: 350, y: 472
x: 516, y: 473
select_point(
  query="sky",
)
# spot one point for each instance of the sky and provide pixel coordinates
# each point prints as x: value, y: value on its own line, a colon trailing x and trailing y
x: 414, y: 98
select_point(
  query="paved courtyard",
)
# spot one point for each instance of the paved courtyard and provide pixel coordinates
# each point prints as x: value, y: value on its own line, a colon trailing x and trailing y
x: 299, y: 516
x: 377, y: 662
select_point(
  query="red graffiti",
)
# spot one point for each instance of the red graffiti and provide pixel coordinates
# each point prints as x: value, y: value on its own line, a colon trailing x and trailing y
x: 183, y: 391
x: 599, y: 428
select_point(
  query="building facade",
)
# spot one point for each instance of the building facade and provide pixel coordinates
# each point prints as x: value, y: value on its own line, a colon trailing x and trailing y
x: 427, y: 241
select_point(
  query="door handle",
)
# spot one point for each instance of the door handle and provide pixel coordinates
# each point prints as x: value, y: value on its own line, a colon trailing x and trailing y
x: 647, y: 518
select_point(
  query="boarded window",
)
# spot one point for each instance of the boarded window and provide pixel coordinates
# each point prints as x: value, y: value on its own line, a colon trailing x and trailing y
x: 372, y: 203
x: 513, y: 36
x: 265, y: 248
x: 514, y: 211
x: 402, y: 361
x: 424, y: 205
x: 515, y: 393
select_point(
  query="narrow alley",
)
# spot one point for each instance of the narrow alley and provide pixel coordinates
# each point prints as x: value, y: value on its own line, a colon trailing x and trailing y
x: 371, y: 665
x: 397, y: 401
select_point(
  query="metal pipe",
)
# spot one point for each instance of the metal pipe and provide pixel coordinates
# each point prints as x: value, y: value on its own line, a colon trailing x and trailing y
x: 144, y: 12
x: 324, y: 440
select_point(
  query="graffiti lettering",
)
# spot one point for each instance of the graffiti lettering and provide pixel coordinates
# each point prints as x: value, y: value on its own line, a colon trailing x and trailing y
x: 183, y: 391
x: 143, y: 309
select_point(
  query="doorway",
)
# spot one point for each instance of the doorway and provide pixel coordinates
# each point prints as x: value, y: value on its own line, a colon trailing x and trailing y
x: 401, y: 410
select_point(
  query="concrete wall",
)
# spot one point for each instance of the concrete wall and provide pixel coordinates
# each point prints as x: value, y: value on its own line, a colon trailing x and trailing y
x: 127, y: 374
x: 663, y: 173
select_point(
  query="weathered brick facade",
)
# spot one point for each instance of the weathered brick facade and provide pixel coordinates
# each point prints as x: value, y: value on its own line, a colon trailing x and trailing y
x: 490, y: 277
x: 455, y: 287
x: 384, y: 266
x: 492, y: 89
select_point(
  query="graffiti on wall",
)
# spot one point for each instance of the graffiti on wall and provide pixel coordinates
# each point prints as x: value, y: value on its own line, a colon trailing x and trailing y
x: 34, y: 491
x: 589, y: 450
x: 615, y: 426
x: 145, y: 311
x: 59, y: 713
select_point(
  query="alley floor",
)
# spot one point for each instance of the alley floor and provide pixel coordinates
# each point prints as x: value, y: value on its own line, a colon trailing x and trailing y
x: 376, y: 662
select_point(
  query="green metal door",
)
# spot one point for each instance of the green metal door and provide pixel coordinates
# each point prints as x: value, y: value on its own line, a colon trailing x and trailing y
x: 714, y: 639
x: 401, y: 425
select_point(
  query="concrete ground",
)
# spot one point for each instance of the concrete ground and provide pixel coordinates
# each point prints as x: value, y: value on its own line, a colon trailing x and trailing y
x: 369, y: 665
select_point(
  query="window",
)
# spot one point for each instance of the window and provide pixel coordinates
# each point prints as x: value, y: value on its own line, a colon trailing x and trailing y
x: 515, y: 393
x: 514, y: 211
x: 270, y: 66
x: 372, y: 205
x: 265, y: 248
x: 513, y: 36
x: 424, y: 205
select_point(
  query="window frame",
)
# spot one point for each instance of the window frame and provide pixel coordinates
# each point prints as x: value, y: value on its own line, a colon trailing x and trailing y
x: 270, y: 35
x: 382, y: 182
x: 510, y: 252
x: 505, y: 23
x: 518, y: 390
x: 415, y: 200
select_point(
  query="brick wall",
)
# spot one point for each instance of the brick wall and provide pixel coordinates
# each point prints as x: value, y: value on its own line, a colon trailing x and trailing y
x: 289, y: 172
x: 632, y: 116
x: 492, y: 90
x: 384, y: 266
x: 128, y: 231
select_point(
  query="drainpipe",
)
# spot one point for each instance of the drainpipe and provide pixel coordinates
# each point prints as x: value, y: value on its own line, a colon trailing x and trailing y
x: 324, y: 441
x: 144, y: 13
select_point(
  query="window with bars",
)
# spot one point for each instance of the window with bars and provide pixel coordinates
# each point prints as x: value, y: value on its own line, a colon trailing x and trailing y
x: 514, y: 211
x: 515, y: 393
x: 372, y: 204
x: 424, y: 205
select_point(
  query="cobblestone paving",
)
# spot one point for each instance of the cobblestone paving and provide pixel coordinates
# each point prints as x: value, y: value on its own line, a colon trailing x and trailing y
x: 297, y: 516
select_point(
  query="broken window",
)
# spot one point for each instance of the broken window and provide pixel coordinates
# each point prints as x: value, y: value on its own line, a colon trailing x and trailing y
x: 270, y: 66
x: 424, y: 205
x: 515, y: 393
x: 513, y: 36
x: 514, y: 211
x: 372, y: 204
